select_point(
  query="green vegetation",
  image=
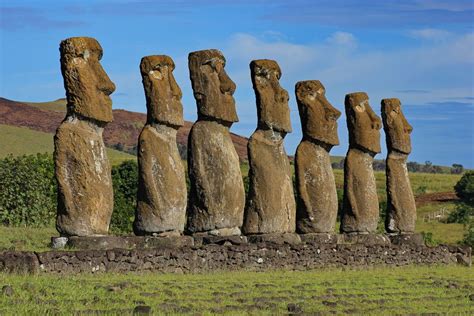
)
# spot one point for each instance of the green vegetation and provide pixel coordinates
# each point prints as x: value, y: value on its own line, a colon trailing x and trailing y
x: 27, y: 191
x: 19, y: 141
x: 58, y: 105
x: 26, y: 238
x: 465, y: 188
x: 402, y: 290
x: 124, y: 178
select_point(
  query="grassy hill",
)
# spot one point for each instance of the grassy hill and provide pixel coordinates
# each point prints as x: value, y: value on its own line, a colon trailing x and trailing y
x: 23, y: 141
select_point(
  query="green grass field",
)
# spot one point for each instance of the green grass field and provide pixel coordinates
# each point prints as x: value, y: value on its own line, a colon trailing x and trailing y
x: 23, y: 141
x: 374, y: 291
x: 58, y: 105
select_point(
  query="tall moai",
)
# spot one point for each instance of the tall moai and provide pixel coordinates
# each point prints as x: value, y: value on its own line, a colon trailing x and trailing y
x: 360, y: 203
x: 217, y: 196
x: 162, y: 193
x: 270, y: 204
x: 315, y: 185
x: 85, y: 194
x: 401, y: 208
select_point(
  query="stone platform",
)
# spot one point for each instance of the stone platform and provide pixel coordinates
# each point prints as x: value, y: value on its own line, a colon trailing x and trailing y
x: 186, y: 254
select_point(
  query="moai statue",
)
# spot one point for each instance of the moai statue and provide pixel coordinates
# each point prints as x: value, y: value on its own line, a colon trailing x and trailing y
x: 162, y: 194
x: 85, y: 195
x: 360, y: 205
x: 271, y: 204
x: 401, y: 208
x: 315, y: 184
x: 217, y: 196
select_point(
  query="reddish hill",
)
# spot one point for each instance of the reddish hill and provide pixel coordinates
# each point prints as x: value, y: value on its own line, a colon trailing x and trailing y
x: 121, y: 133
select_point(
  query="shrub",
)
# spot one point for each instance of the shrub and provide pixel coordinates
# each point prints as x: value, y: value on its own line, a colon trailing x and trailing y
x: 462, y: 214
x: 27, y: 190
x: 125, y: 179
x: 469, y: 236
x: 465, y: 188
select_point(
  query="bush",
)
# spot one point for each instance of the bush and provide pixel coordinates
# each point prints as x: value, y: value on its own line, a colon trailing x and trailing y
x: 462, y: 214
x: 469, y: 236
x: 27, y: 190
x: 125, y: 179
x: 465, y: 188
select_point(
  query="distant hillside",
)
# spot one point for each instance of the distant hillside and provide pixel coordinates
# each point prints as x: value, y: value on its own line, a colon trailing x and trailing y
x: 23, y: 141
x: 121, y: 133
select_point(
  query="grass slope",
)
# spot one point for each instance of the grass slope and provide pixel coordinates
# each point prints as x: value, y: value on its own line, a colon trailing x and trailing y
x: 23, y: 141
x: 373, y: 291
x: 58, y: 105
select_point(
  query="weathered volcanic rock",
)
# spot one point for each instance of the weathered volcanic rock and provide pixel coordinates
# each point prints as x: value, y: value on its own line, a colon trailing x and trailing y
x: 162, y: 193
x: 271, y: 206
x: 315, y: 185
x: 212, y: 87
x: 87, y: 85
x: 217, y: 195
x: 85, y: 194
x: 360, y: 204
x: 401, y: 207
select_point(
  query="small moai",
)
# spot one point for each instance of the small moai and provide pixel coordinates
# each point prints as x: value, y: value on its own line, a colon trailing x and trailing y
x: 360, y: 203
x: 271, y: 206
x: 162, y: 193
x: 315, y: 185
x: 217, y: 196
x: 85, y: 193
x: 401, y: 208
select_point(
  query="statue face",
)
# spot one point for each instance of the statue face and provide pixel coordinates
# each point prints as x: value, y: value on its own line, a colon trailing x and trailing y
x: 397, y: 130
x: 272, y: 100
x: 87, y: 85
x: 212, y: 87
x: 363, y: 124
x: 318, y: 116
x: 163, y: 94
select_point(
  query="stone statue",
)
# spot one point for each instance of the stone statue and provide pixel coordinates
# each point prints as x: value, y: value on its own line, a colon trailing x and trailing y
x: 162, y: 193
x: 270, y: 202
x: 401, y: 208
x: 217, y: 196
x: 360, y: 205
x: 85, y: 194
x: 315, y: 185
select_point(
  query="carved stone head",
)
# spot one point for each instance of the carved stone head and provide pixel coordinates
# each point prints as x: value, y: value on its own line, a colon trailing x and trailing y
x: 163, y: 95
x: 272, y: 100
x: 363, y: 124
x: 318, y: 116
x: 212, y: 87
x: 397, y: 130
x: 88, y: 88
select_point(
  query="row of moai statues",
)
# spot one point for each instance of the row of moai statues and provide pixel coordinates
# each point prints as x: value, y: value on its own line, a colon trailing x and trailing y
x: 216, y: 204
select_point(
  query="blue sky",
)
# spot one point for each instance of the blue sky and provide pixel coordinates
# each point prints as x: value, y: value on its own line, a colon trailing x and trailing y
x: 419, y: 51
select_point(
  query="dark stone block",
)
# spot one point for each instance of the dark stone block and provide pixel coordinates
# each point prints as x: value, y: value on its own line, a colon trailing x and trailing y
x: 276, y: 238
x: 19, y: 262
x: 364, y: 239
x: 319, y: 238
x: 128, y: 242
x: 407, y: 239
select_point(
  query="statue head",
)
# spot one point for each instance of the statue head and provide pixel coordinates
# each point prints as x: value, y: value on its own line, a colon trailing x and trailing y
x: 318, y: 116
x: 363, y: 124
x: 212, y: 87
x: 163, y: 95
x: 88, y: 88
x: 397, y: 130
x: 272, y: 100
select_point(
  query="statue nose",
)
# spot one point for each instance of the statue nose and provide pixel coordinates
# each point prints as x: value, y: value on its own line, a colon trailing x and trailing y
x: 175, y: 90
x: 226, y: 84
x: 105, y: 84
x: 282, y: 95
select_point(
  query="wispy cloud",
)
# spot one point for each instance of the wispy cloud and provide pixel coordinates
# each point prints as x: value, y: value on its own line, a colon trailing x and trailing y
x: 14, y: 18
x: 373, y: 13
x: 430, y: 34
x: 413, y: 91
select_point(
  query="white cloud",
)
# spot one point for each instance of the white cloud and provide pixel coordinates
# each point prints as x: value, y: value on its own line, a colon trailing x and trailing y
x: 430, y: 34
x: 342, y: 38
